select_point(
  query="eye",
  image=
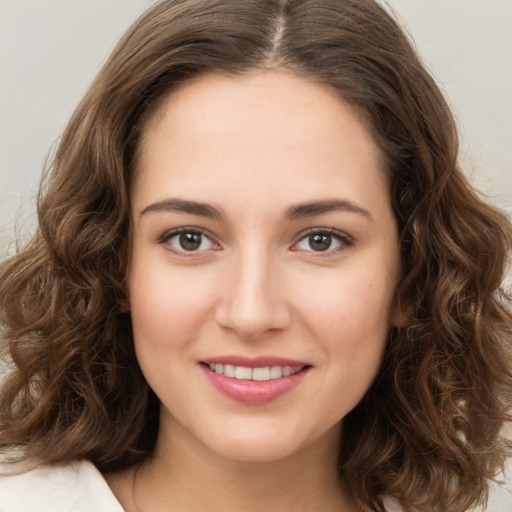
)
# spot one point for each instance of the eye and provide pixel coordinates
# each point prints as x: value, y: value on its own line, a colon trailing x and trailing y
x: 188, y: 240
x: 323, y: 240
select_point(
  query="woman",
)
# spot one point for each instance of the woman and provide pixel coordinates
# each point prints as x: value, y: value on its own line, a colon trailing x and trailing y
x: 259, y: 280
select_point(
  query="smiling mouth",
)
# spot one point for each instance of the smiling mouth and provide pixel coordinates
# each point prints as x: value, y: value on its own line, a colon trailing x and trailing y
x: 254, y: 374
x: 250, y: 381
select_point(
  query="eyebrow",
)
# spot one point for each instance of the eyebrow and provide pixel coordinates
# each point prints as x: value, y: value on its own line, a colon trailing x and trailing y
x: 184, y: 206
x: 301, y: 211
x: 296, y: 212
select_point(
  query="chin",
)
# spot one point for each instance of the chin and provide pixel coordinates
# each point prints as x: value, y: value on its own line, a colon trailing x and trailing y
x: 260, y: 444
x: 258, y: 452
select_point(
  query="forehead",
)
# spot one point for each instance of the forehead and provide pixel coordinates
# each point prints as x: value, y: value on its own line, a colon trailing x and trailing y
x: 267, y: 128
x: 267, y: 97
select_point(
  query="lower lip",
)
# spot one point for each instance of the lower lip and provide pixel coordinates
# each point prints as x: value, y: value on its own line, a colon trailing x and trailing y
x: 253, y: 392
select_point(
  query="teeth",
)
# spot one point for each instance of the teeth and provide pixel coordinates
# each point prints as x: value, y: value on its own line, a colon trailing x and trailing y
x: 241, y: 373
x: 276, y: 372
x: 261, y: 373
x: 229, y: 370
x: 258, y: 374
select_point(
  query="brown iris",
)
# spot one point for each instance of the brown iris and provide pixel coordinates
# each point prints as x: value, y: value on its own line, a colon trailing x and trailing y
x: 190, y: 241
x: 319, y: 242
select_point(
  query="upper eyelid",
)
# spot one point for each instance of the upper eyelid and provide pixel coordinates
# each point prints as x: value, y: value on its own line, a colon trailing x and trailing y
x: 325, y: 231
x: 184, y: 229
x: 167, y: 235
x: 346, y: 240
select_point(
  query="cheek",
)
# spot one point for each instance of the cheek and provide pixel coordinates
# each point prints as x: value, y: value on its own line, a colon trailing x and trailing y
x: 167, y: 308
x: 354, y: 342
x: 350, y: 319
x: 168, y: 312
x: 352, y: 307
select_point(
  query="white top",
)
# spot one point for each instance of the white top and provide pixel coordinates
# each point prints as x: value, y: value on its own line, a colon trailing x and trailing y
x: 75, y: 487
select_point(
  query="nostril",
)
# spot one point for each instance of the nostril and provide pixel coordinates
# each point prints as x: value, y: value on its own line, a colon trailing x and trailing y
x: 251, y: 319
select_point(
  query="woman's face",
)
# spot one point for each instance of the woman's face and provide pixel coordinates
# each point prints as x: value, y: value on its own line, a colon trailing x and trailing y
x: 263, y: 237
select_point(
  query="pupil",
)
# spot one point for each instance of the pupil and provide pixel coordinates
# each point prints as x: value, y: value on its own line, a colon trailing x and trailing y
x: 190, y: 241
x: 320, y: 242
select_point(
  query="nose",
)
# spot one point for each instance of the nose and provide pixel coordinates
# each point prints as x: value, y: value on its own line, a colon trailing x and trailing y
x: 253, y: 297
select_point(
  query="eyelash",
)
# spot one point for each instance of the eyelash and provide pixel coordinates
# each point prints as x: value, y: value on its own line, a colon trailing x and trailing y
x: 169, y: 235
x: 345, y: 241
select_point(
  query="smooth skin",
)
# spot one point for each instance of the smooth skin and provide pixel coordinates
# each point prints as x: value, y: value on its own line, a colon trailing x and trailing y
x: 262, y: 225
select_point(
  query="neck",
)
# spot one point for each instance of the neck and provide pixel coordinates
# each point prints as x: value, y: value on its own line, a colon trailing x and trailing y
x: 184, y: 475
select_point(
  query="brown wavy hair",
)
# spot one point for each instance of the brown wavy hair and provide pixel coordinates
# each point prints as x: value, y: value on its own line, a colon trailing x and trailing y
x: 429, y: 430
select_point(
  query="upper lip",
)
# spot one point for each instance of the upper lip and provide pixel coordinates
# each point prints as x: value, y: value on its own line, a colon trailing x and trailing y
x: 254, y: 362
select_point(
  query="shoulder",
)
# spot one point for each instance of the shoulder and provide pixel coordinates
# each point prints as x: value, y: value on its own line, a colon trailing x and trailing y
x: 74, y: 487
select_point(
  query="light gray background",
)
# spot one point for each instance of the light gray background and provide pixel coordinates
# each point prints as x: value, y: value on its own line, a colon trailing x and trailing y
x: 51, y: 49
